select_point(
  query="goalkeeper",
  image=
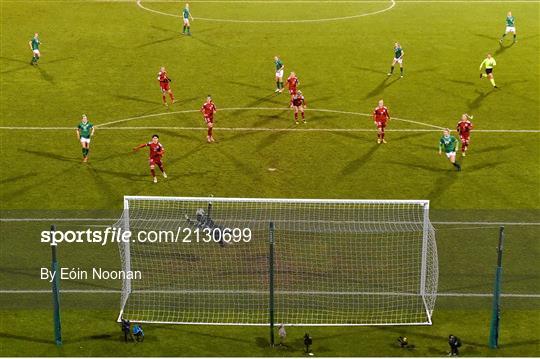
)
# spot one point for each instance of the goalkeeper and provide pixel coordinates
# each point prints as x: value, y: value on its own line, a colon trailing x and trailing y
x: 204, y: 221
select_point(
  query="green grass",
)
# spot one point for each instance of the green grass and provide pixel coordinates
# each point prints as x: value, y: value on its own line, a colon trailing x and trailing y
x: 92, y: 333
x: 101, y: 58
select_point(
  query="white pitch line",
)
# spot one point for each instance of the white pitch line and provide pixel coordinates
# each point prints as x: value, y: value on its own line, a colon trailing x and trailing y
x: 102, y: 126
x: 286, y: 1
x: 489, y: 223
x: 478, y: 223
x: 58, y: 219
x: 112, y: 291
x: 256, y: 129
x: 298, y: 21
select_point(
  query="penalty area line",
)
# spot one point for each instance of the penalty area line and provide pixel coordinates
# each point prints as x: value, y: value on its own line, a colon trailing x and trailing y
x: 442, y: 223
x: 349, y: 113
x: 118, y: 291
x: 255, y: 129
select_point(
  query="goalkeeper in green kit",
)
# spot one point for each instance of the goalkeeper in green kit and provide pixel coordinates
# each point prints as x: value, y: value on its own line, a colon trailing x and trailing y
x: 449, y: 144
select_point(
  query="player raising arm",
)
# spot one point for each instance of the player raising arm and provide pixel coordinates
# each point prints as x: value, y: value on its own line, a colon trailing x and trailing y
x: 34, y: 46
x: 489, y: 62
x: 298, y: 103
x: 208, y: 109
x: 279, y: 73
x: 464, y: 128
x: 186, y: 16
x: 381, y: 116
x: 164, y: 84
x: 156, y: 155
x: 85, y: 130
x: 398, y: 58
x: 449, y: 144
x: 510, y: 27
x: 292, y: 84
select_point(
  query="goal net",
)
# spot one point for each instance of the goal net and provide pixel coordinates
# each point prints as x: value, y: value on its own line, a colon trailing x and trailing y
x: 232, y: 261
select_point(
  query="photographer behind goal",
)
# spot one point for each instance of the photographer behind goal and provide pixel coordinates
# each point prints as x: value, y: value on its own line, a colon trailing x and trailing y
x: 307, y: 342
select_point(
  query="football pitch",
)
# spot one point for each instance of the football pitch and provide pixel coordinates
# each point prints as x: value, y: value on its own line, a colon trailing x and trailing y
x: 101, y: 58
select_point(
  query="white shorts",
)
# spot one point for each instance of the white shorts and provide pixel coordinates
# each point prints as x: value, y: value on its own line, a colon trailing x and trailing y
x: 85, y: 140
x: 510, y: 29
x: 399, y: 61
x: 450, y: 154
x: 36, y: 52
x: 186, y: 22
x: 279, y: 73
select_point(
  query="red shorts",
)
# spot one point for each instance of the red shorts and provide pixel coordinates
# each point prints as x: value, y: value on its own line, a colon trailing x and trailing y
x: 209, y: 119
x: 164, y: 86
x: 465, y: 138
x: 381, y: 124
x: 154, y: 161
x: 292, y: 91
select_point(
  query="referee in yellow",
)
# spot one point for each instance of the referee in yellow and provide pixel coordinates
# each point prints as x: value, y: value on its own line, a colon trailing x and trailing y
x: 489, y: 63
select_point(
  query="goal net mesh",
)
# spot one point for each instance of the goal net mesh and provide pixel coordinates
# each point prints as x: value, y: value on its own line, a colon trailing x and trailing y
x: 336, y: 262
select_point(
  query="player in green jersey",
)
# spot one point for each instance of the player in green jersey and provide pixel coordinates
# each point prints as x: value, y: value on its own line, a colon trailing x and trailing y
x: 34, y: 46
x: 279, y: 74
x: 449, y: 144
x: 85, y: 130
x: 186, y: 15
x: 398, y: 58
x: 510, y: 27
x: 489, y: 63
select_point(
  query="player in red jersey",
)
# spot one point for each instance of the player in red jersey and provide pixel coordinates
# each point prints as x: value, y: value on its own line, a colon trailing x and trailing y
x: 208, y: 109
x: 156, y: 155
x: 298, y: 103
x: 381, y: 117
x: 464, y: 128
x: 292, y: 84
x: 164, y: 84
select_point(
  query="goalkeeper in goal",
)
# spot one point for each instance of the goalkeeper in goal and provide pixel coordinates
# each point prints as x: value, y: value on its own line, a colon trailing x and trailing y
x: 204, y: 222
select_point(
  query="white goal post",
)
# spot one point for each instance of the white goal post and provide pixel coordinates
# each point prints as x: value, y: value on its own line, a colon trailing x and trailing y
x: 249, y: 261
